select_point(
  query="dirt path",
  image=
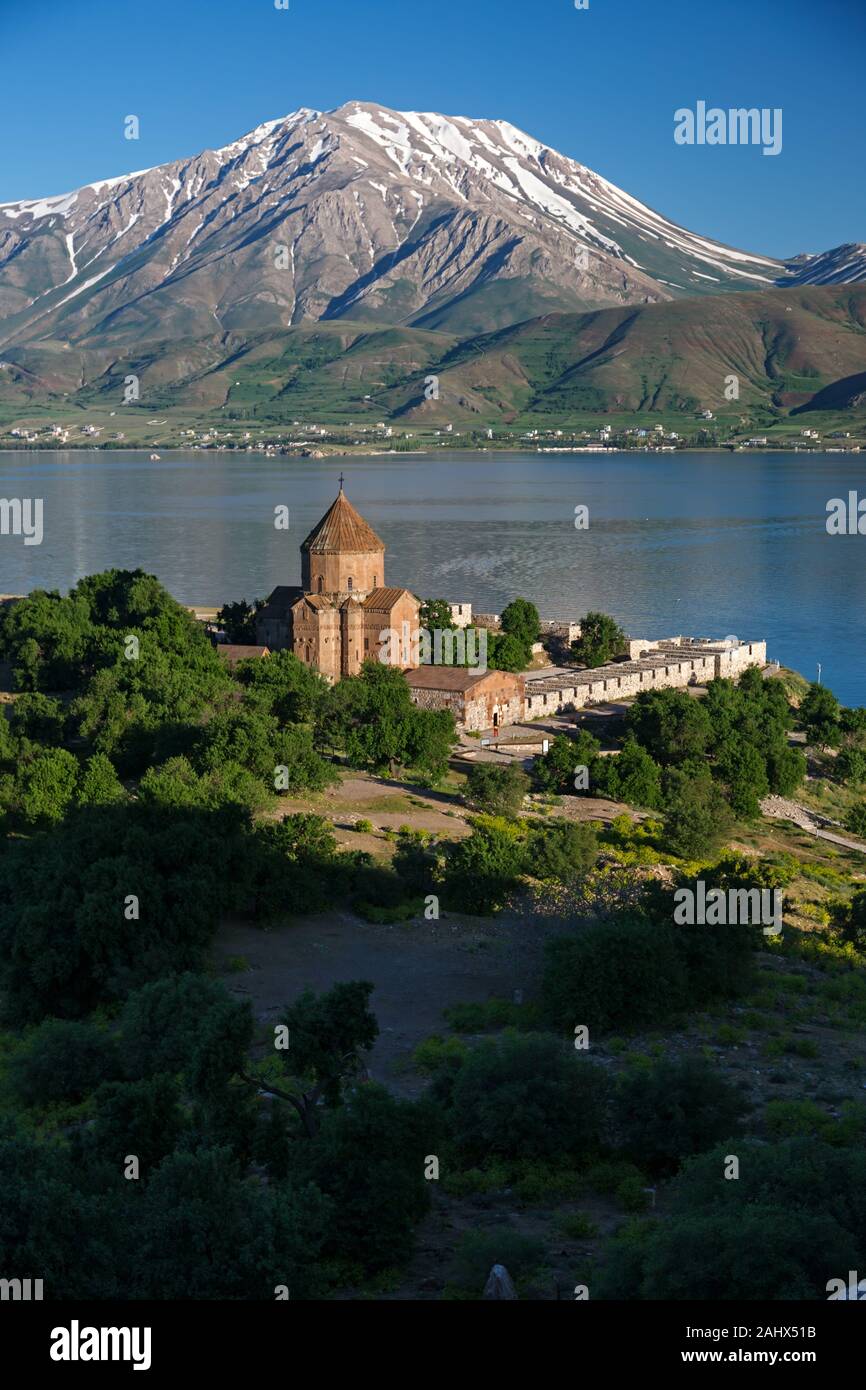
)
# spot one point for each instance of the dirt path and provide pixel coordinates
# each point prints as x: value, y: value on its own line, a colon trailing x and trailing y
x: 779, y: 808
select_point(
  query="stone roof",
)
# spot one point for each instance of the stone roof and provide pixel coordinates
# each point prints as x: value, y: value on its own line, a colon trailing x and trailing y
x: 281, y: 601
x: 235, y: 652
x: 343, y: 531
x: 383, y: 600
x: 317, y: 601
x: 452, y: 677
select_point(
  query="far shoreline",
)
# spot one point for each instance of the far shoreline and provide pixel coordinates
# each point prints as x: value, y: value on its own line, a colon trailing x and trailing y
x: 429, y: 453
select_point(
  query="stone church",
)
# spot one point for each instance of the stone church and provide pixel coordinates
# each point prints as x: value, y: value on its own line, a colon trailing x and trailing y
x: 335, y: 619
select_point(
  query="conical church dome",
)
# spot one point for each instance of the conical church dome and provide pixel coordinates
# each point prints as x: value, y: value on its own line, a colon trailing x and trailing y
x: 342, y: 530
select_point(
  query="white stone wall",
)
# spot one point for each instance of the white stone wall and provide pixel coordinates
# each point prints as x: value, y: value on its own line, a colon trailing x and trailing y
x: 461, y: 614
x: 663, y: 671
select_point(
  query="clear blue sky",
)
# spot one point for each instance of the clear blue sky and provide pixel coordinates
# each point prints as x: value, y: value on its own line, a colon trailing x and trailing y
x: 600, y: 85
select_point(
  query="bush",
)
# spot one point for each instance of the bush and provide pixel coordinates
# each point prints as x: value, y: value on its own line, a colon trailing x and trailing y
x: 623, y: 973
x: 697, y: 815
x: 555, y: 770
x: 483, y: 870
x: 786, y: 1119
x: 563, y: 850
x: 499, y: 791
x: 669, y: 1109
x: 526, y: 1096
x: 632, y: 776
x: 63, y: 1061
x: 754, y: 1252
x: 578, y: 1226
x: 491, y: 1015
x: 479, y: 1251
x: 368, y: 1159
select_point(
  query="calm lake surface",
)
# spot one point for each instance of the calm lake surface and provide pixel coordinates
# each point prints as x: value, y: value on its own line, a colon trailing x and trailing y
x: 704, y: 544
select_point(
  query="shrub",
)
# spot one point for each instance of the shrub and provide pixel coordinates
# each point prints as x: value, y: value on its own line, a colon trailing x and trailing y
x: 63, y: 1061
x: 756, y: 1252
x: 527, y: 1096
x: 577, y: 1226
x: 479, y: 1251
x: 491, y: 1015
x: 498, y: 791
x: 786, y: 1119
x: 622, y: 973
x: 563, y: 850
x: 483, y: 870
x: 666, y: 1110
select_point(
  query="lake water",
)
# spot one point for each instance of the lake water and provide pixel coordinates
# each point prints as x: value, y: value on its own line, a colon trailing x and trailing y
x: 704, y: 544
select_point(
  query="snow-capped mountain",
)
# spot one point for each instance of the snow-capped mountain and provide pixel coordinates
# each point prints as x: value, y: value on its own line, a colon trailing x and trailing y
x: 363, y: 214
x: 846, y: 265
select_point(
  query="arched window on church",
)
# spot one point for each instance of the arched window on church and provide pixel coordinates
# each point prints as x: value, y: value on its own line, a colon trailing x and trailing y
x: 321, y: 585
x: 375, y: 581
x: 349, y: 583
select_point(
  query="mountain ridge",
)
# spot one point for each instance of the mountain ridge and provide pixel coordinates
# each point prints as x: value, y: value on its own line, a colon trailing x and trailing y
x: 362, y: 213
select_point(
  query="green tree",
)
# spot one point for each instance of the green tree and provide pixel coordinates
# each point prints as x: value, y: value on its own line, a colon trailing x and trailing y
x: 205, y: 1231
x: 850, y: 917
x: 369, y: 1160
x: 556, y: 770
x: 186, y: 1024
x: 762, y: 1253
x: 743, y: 768
x: 632, y: 777
x: 139, y: 892
x: 282, y: 686
x: 670, y: 725
x: 601, y: 639
x: 520, y: 619
x: 786, y: 769
x: 238, y: 621
x: 563, y: 850
x: 327, y: 1035
x: 293, y: 866
x: 506, y: 652
x: 100, y: 784
x: 435, y: 616
x: 372, y: 718
x: 851, y: 766
x: 63, y: 1061
x: 38, y: 717
x: 627, y: 972
x: 697, y: 816
x: 138, y: 1118
x: 499, y: 791
x: 482, y: 871
x: 45, y: 786
x: 820, y: 715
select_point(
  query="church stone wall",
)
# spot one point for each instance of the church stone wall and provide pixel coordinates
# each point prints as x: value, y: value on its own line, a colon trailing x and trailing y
x: 342, y: 574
